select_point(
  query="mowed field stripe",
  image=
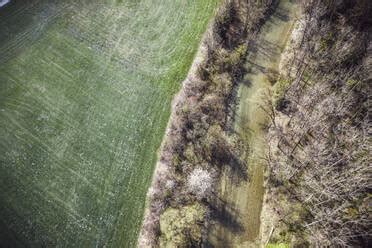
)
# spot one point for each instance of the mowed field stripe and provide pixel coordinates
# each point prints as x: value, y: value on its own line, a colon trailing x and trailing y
x: 85, y: 93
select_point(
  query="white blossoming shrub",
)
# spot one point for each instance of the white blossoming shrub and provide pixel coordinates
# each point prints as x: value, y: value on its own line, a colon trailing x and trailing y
x: 200, y: 183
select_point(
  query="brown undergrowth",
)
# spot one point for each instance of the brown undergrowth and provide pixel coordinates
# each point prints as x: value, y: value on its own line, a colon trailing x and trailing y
x: 320, y: 175
x: 199, y: 140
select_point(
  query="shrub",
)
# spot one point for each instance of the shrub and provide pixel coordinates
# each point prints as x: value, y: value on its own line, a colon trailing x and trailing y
x: 200, y: 183
x: 196, y: 140
x: 181, y: 227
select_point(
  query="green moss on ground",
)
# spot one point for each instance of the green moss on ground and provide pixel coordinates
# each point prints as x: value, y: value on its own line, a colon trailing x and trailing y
x: 280, y: 89
x: 179, y: 227
x: 279, y: 245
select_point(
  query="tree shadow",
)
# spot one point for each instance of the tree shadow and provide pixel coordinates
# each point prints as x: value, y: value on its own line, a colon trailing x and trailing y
x: 225, y: 214
x: 234, y: 165
x: 246, y: 82
x: 221, y: 241
x: 268, y: 49
x: 255, y: 68
x: 237, y: 170
x: 281, y: 14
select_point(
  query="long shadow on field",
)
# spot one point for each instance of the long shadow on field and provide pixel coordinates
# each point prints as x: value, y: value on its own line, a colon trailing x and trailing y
x: 282, y: 14
x: 228, y: 159
x: 236, y: 169
x: 266, y: 49
x: 226, y: 215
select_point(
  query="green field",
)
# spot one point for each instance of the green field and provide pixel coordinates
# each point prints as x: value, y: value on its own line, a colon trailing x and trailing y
x: 85, y: 92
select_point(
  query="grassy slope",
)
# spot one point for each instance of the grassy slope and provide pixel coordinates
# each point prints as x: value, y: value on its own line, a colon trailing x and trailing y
x: 85, y: 91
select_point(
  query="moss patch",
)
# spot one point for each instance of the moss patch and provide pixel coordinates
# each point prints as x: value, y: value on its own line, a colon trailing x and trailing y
x: 280, y: 245
x: 179, y: 227
x: 280, y: 89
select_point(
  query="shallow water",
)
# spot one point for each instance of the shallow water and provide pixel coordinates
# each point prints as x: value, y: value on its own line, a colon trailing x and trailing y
x: 243, y: 198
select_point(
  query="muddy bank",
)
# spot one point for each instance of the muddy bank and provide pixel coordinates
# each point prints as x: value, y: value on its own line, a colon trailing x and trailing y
x: 243, y: 198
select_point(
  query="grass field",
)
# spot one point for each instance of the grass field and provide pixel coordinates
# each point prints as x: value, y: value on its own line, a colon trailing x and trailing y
x: 85, y: 92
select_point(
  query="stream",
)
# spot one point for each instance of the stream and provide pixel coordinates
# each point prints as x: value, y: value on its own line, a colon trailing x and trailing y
x: 241, y: 194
